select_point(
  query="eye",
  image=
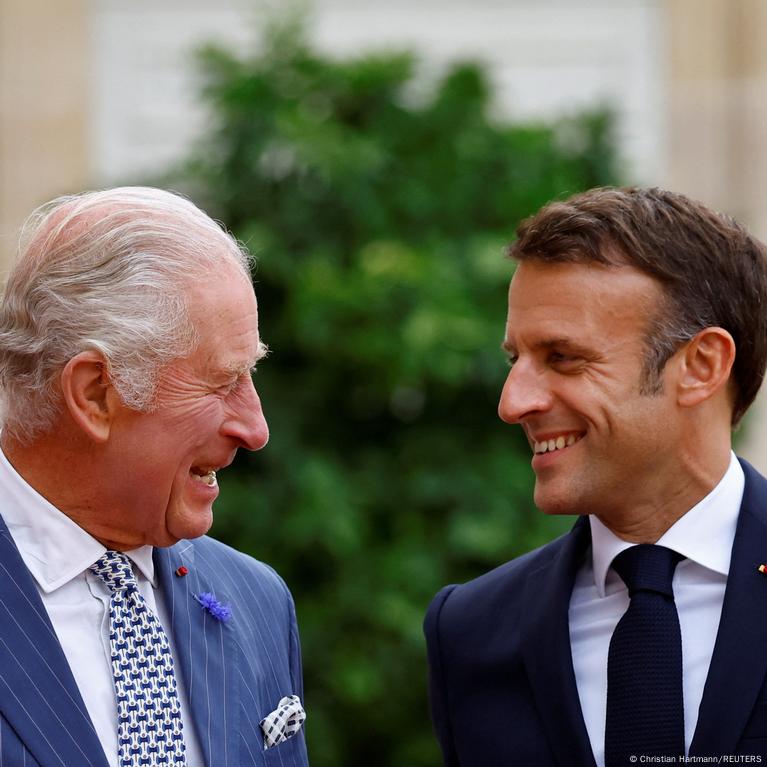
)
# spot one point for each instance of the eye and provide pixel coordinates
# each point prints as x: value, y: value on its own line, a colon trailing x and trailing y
x: 229, y: 387
x: 511, y: 359
x: 563, y: 360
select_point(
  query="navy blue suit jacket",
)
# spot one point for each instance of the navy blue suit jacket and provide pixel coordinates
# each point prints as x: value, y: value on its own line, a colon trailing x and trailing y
x: 502, y: 685
x: 235, y: 672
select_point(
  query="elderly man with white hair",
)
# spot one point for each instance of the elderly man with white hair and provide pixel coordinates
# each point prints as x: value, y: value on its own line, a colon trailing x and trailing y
x: 128, y: 335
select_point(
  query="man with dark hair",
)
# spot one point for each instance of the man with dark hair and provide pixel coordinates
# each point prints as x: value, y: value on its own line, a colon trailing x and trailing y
x: 637, y: 337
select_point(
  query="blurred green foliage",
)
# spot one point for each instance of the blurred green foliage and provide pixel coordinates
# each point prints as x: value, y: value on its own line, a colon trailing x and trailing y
x: 378, y: 214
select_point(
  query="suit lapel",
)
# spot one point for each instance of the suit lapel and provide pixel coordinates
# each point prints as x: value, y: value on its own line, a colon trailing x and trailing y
x: 546, y: 650
x: 39, y: 697
x: 739, y: 661
x: 207, y: 650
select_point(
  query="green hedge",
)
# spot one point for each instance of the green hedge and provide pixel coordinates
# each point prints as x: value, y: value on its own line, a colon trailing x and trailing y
x: 378, y: 209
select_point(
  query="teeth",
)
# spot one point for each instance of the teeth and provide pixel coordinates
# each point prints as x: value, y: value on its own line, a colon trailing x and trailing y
x: 549, y: 445
x: 209, y: 478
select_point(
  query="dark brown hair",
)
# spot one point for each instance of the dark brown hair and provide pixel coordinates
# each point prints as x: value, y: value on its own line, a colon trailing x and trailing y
x: 713, y: 272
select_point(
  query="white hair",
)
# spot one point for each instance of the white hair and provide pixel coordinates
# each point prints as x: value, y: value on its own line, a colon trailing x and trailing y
x: 107, y: 271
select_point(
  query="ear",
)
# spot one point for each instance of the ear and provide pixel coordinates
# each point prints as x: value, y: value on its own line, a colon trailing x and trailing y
x: 89, y: 394
x: 705, y: 366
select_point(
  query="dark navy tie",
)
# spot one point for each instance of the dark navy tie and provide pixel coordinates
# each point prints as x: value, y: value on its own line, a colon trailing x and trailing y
x: 645, y: 715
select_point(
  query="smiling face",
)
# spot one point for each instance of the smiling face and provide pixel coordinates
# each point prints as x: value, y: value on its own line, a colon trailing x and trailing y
x: 575, y: 335
x: 160, y: 475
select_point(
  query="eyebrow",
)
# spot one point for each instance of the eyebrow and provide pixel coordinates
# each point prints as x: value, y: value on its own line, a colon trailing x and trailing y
x: 238, y: 370
x: 551, y: 343
x: 261, y: 352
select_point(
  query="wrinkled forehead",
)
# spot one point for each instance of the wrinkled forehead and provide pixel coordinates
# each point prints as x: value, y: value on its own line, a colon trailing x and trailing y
x: 589, y: 277
x: 222, y: 303
x: 587, y: 298
x: 223, y: 318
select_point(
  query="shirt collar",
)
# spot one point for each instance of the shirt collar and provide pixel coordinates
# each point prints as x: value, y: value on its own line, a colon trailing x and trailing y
x: 704, y: 534
x: 54, y: 548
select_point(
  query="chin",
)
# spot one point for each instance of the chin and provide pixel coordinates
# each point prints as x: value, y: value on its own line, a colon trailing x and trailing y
x: 188, y: 524
x: 556, y: 504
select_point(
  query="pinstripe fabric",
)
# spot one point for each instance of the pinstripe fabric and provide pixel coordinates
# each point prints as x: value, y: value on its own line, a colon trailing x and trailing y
x: 43, y: 719
x: 235, y: 672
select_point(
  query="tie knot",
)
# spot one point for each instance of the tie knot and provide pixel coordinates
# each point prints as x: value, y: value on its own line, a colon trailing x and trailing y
x: 646, y: 567
x: 114, y: 568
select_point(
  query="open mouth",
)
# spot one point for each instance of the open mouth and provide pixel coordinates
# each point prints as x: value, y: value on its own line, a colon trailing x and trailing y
x: 203, y: 475
x: 556, y: 443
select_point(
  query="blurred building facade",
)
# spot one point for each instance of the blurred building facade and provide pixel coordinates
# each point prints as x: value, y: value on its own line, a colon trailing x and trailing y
x: 98, y: 92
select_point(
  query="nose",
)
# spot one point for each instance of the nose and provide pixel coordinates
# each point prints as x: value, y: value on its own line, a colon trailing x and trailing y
x: 245, y: 421
x: 525, y: 393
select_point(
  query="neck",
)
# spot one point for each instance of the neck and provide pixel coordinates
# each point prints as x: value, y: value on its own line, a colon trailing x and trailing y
x: 60, y: 469
x: 648, y: 520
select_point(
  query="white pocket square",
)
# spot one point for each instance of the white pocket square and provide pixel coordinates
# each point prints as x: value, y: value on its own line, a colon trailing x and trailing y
x: 284, y: 722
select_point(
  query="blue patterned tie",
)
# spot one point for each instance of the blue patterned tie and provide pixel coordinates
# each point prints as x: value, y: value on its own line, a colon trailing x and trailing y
x: 645, y: 716
x: 149, y: 730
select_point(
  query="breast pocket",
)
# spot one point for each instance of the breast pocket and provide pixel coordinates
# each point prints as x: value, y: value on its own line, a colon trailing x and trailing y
x: 289, y: 753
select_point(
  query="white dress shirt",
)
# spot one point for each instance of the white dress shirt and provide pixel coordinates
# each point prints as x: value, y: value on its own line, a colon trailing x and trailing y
x: 58, y: 553
x: 704, y: 535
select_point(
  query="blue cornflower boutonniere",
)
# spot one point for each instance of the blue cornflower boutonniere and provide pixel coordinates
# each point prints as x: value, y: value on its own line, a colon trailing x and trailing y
x: 220, y: 611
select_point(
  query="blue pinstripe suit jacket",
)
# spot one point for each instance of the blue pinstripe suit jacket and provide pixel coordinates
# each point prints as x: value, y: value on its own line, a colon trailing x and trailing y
x: 235, y: 672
